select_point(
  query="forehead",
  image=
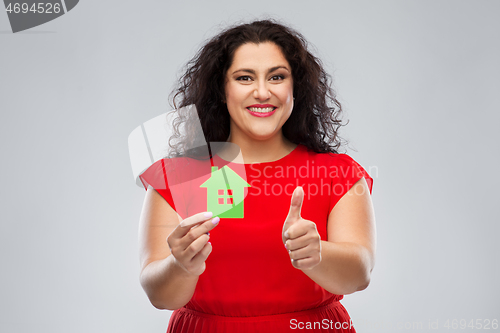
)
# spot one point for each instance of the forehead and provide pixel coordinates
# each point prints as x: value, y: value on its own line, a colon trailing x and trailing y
x: 258, y: 56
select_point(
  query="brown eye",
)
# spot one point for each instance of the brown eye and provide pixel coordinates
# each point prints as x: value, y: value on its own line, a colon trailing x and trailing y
x: 243, y: 78
x: 277, y: 77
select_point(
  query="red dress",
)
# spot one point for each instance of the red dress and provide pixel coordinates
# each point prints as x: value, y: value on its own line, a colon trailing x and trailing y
x: 249, y: 284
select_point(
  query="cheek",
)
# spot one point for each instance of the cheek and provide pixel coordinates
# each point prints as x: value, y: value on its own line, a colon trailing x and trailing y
x: 233, y: 94
x: 287, y: 99
x: 233, y: 101
x: 286, y: 94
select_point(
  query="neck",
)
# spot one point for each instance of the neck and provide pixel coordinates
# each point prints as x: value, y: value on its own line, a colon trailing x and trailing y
x: 259, y: 151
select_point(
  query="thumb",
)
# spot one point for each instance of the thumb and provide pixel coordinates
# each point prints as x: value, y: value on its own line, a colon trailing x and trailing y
x: 296, y: 203
x: 295, y: 207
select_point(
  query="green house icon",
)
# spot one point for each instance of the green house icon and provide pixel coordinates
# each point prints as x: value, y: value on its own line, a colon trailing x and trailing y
x: 225, y: 193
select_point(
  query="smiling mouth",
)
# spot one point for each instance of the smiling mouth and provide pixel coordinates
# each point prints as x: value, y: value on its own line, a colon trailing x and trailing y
x: 262, y: 110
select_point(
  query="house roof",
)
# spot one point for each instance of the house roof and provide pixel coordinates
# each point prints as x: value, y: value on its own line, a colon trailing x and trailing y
x: 225, y: 178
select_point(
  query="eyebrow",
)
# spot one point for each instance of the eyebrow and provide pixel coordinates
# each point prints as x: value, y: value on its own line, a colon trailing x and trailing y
x: 272, y: 69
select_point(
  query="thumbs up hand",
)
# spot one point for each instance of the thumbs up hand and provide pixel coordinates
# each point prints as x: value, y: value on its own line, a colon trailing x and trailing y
x: 300, y: 236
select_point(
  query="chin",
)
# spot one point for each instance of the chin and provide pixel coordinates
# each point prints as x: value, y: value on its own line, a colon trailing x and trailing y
x: 262, y: 136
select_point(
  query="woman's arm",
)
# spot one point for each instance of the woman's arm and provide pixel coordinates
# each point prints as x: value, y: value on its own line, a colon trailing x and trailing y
x: 169, y: 282
x: 343, y: 264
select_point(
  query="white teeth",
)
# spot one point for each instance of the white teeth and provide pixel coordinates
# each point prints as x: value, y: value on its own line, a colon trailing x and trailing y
x: 262, y: 110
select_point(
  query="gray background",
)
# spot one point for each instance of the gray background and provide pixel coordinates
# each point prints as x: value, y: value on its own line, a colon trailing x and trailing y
x: 419, y: 81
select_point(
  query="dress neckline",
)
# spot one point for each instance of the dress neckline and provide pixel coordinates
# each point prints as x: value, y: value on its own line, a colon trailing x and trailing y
x: 280, y: 160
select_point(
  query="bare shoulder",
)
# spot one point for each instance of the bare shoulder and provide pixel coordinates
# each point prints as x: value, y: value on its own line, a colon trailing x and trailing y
x: 158, y: 219
x: 353, y: 219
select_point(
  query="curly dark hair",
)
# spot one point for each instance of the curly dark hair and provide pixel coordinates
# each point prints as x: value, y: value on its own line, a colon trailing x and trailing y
x: 315, y: 119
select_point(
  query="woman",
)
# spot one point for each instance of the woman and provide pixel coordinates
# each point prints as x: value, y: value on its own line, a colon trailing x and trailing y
x: 306, y: 233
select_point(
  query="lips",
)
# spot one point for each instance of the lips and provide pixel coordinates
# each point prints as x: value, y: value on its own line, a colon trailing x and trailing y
x: 261, y: 110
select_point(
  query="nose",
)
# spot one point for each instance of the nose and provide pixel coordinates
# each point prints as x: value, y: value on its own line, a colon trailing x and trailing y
x: 262, y: 91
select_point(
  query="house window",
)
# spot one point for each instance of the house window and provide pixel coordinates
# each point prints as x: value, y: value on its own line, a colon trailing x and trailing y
x: 222, y: 195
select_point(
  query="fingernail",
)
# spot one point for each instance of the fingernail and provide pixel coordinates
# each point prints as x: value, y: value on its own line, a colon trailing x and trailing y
x: 286, y: 234
x: 209, y: 243
x: 208, y: 214
x: 286, y: 247
x: 215, y: 220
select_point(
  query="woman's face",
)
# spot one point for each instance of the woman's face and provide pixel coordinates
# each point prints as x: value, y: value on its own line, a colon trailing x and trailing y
x: 259, y: 91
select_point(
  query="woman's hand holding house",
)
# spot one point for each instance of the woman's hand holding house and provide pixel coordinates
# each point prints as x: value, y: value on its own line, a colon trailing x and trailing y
x: 189, y: 243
